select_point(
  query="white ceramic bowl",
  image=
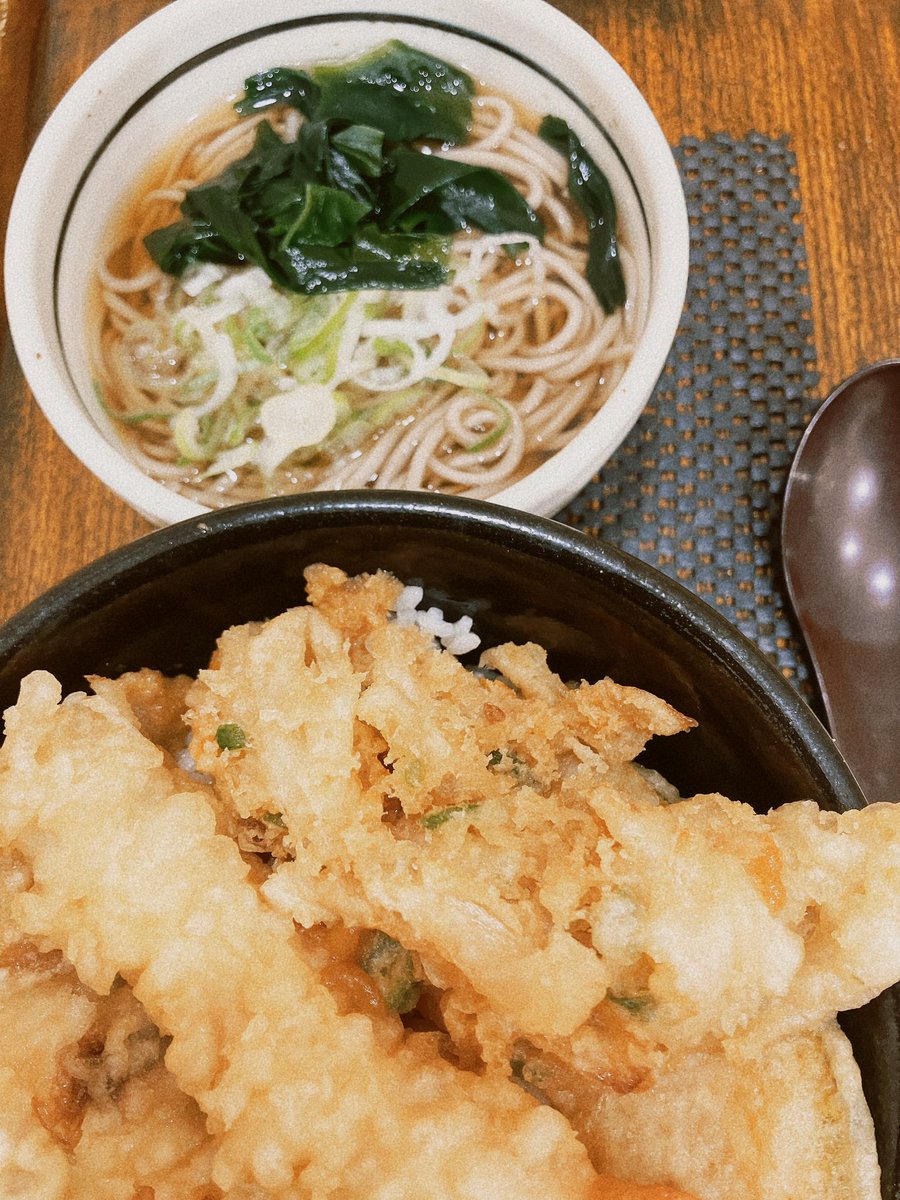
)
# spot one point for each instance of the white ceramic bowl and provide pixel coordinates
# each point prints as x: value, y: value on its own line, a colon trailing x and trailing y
x: 178, y: 63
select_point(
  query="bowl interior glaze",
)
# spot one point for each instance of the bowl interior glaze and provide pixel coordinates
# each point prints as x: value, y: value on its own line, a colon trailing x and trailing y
x: 161, y: 602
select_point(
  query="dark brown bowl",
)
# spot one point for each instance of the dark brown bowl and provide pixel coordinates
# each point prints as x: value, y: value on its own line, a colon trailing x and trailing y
x: 161, y: 602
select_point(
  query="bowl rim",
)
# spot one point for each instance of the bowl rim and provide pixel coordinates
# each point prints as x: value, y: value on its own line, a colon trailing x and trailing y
x: 34, y: 333
x: 99, y: 582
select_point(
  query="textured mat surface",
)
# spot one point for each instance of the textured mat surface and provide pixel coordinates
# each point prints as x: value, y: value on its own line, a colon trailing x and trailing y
x: 696, y: 488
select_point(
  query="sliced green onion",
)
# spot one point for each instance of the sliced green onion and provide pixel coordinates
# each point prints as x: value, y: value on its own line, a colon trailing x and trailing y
x: 438, y: 816
x: 231, y: 737
x: 470, y: 338
x: 243, y: 338
x: 638, y: 1006
x: 497, y: 432
x: 466, y: 374
x: 312, y: 351
x: 186, y: 435
x: 127, y: 418
x: 393, y: 970
x: 392, y: 348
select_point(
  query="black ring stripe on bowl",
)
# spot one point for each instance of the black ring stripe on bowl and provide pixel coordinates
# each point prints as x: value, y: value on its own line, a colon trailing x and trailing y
x: 198, y: 60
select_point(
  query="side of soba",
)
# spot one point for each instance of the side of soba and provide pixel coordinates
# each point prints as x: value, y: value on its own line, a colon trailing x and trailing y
x: 227, y: 387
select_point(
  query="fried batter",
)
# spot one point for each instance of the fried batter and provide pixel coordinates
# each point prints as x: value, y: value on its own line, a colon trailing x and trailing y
x: 527, y: 862
x: 255, y: 1037
x: 393, y: 927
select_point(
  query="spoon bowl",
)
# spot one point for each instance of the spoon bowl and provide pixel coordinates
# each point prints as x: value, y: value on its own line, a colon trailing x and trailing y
x: 840, y: 538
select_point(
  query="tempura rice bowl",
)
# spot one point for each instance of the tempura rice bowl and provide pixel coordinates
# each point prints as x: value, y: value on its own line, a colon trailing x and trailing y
x: 170, y: 69
x: 163, y: 600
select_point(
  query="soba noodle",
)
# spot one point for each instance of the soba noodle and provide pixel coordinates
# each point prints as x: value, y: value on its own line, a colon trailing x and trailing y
x: 463, y: 389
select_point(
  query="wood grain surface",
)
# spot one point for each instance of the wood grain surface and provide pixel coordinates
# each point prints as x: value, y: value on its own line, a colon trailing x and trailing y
x: 823, y: 72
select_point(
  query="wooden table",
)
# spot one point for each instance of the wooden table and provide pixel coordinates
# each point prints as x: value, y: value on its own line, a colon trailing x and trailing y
x: 826, y: 73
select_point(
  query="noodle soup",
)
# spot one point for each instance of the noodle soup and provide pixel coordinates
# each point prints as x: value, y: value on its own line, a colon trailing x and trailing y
x: 227, y: 387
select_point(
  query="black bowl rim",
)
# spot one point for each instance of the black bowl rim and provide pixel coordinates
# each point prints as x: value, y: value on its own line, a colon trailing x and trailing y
x: 119, y: 570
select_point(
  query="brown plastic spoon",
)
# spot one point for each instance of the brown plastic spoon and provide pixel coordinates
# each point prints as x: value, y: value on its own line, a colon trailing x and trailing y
x: 840, y: 538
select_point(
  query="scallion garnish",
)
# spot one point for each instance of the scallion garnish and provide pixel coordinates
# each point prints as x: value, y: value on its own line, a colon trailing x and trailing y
x: 231, y: 737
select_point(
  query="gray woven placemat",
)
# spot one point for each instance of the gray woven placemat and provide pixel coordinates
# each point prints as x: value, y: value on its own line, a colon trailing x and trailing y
x: 696, y: 488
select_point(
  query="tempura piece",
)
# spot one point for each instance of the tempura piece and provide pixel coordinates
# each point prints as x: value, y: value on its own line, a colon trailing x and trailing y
x: 455, y: 742
x: 42, y: 1015
x: 154, y: 703
x: 31, y: 1162
x: 497, y: 828
x: 87, y: 1109
x: 130, y: 879
x: 786, y: 1121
